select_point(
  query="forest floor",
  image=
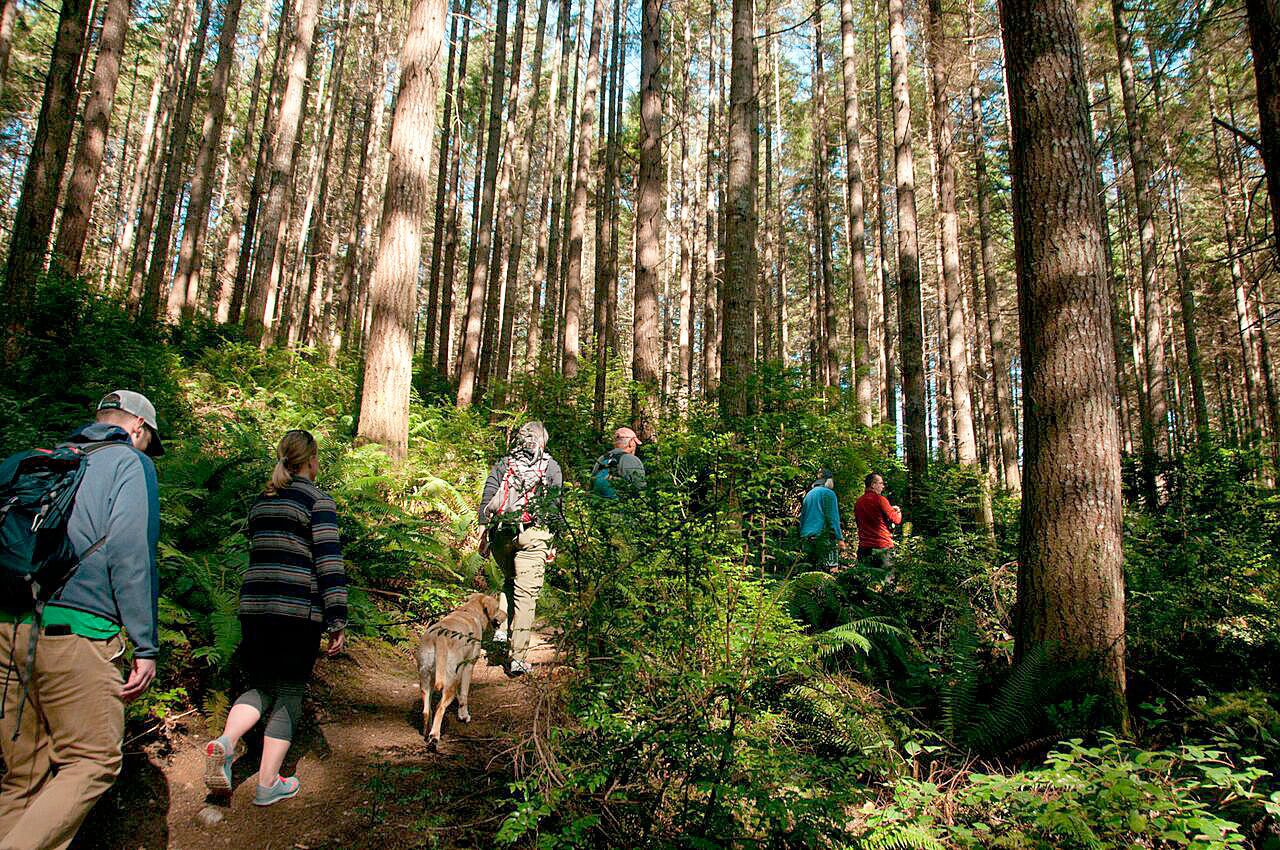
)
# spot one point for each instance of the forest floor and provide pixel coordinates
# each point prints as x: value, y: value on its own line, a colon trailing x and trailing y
x: 368, y: 779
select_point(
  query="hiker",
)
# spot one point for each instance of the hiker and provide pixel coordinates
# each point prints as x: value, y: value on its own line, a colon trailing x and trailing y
x: 519, y: 506
x: 62, y: 724
x: 619, y: 466
x: 874, y: 515
x: 294, y: 590
x: 820, y: 523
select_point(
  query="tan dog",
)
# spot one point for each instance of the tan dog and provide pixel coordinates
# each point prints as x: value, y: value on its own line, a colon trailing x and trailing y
x: 447, y: 653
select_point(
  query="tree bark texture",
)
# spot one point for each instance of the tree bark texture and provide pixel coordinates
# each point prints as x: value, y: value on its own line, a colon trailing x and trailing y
x: 33, y: 219
x: 737, y: 355
x: 388, y: 363
x: 910, y: 308
x: 83, y: 188
x: 857, y: 222
x: 645, y: 332
x: 1070, y: 579
x: 1264, y: 37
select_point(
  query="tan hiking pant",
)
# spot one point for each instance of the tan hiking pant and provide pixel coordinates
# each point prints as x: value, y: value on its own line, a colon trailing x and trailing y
x: 68, y: 749
x: 523, y: 560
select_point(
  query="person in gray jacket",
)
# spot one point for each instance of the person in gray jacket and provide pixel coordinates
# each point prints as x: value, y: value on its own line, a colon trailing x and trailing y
x: 63, y: 751
x: 520, y: 509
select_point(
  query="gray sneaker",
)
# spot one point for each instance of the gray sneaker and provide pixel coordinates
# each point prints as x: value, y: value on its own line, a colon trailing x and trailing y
x: 519, y: 668
x: 500, y: 636
x: 217, y: 765
x: 283, y: 789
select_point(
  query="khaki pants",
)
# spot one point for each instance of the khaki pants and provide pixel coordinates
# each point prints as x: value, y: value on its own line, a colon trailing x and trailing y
x: 68, y: 749
x: 523, y: 560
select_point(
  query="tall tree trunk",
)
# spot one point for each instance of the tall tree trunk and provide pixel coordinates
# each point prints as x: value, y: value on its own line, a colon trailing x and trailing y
x: 1155, y: 425
x: 497, y: 303
x: 1264, y: 38
x: 644, y: 369
x: 779, y: 221
x: 442, y: 178
x: 581, y: 188
x: 1000, y: 380
x: 241, y: 287
x: 483, y: 226
x: 220, y: 289
x: 884, y: 270
x: 542, y: 323
x: 910, y: 308
x: 81, y: 192
x: 258, y: 318
x: 711, y: 286
x: 352, y: 311
x: 33, y: 219
x: 442, y: 271
x: 828, y: 339
x: 8, y: 15
x: 737, y: 355
x: 1070, y: 578
x: 519, y: 201
x: 170, y: 195
x: 957, y: 356
x: 857, y: 225
x: 388, y: 363
x: 186, y: 283
x: 318, y: 238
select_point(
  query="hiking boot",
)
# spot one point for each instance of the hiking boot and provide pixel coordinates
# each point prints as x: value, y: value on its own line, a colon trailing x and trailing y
x: 499, y: 635
x: 217, y: 765
x: 519, y: 668
x: 283, y: 789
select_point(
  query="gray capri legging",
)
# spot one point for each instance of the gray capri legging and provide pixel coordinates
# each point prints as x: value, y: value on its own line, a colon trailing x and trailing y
x: 280, y: 704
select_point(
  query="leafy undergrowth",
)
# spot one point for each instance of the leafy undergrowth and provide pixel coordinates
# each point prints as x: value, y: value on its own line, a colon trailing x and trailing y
x: 721, y: 692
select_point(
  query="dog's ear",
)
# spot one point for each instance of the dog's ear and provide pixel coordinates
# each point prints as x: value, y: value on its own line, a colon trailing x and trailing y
x: 491, y: 607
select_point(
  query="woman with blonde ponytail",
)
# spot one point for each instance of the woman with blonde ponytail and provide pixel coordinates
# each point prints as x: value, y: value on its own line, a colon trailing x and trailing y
x: 294, y: 590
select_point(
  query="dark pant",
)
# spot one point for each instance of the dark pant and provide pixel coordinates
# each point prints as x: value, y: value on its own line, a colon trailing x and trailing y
x: 876, y: 559
x: 278, y: 656
x: 821, y: 552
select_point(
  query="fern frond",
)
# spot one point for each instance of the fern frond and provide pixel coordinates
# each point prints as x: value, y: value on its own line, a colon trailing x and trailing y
x: 901, y: 836
x: 216, y: 706
x: 1010, y: 718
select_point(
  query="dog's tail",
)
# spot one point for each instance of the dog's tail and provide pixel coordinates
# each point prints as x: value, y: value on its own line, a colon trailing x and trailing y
x: 442, y: 656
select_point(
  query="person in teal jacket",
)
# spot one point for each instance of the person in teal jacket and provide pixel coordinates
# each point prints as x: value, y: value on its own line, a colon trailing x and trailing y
x: 820, y: 523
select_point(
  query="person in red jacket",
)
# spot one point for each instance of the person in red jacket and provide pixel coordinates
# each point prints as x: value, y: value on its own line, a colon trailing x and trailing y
x: 874, y: 516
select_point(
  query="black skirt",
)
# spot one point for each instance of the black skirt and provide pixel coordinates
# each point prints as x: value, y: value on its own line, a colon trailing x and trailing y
x: 277, y: 649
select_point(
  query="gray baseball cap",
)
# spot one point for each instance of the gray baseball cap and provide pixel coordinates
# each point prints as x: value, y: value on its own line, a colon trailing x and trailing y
x: 141, y: 407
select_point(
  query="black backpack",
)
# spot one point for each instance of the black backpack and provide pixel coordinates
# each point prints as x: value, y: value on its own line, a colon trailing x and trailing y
x: 37, y: 494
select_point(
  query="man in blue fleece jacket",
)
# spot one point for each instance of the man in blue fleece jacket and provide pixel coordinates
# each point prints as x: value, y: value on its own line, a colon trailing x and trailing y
x: 65, y: 750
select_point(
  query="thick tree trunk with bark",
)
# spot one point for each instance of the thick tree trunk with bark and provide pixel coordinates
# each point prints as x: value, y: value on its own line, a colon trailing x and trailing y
x: 33, y: 219
x: 737, y: 355
x: 483, y: 233
x: 957, y: 355
x: 83, y: 188
x: 262, y: 291
x: 645, y: 365
x: 910, y: 308
x: 711, y: 252
x: 388, y: 363
x: 857, y: 226
x: 186, y: 282
x: 1070, y: 578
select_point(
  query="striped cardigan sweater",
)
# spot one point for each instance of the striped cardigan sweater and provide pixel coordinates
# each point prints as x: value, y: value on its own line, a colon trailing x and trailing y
x: 295, y: 558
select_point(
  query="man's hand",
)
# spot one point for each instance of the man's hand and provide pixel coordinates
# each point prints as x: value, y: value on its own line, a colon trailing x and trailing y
x: 144, y: 670
x: 337, y: 640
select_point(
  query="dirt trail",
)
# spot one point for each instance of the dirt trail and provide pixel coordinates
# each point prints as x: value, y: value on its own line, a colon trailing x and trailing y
x: 367, y: 778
